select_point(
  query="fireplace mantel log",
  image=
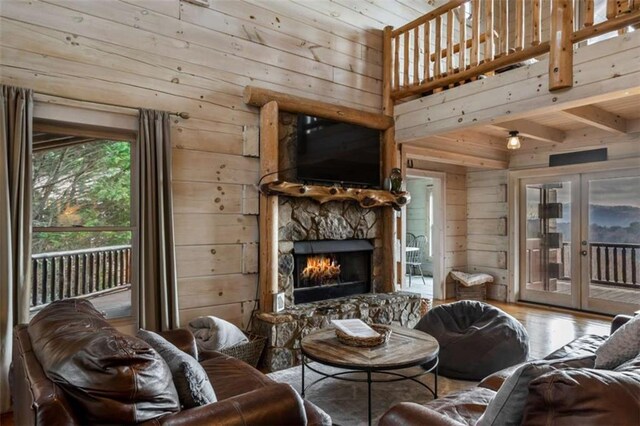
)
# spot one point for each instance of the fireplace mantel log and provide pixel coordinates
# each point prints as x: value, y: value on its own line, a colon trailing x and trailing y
x: 367, y: 198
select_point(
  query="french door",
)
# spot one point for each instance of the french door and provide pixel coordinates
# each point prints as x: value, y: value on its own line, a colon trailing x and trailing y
x: 580, y: 241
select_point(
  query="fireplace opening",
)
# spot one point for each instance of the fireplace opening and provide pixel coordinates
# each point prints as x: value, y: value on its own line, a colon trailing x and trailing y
x: 330, y: 269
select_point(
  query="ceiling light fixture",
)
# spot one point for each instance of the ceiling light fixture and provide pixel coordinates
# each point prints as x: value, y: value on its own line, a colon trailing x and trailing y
x: 513, y: 141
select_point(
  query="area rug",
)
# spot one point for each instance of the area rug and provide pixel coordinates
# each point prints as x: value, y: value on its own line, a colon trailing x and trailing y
x: 346, y: 402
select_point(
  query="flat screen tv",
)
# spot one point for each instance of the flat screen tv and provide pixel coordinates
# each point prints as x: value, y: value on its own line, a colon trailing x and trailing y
x: 333, y: 152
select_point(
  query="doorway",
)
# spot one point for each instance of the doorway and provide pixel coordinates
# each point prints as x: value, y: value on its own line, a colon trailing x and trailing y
x: 424, y: 233
x: 580, y: 240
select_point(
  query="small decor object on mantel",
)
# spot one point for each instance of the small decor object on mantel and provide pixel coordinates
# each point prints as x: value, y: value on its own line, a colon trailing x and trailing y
x: 396, y: 180
x: 354, y: 332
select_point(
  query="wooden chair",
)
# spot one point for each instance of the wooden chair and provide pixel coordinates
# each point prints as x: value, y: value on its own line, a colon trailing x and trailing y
x: 415, y: 257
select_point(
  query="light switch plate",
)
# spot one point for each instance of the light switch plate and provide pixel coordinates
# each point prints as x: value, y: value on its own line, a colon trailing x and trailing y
x: 278, y: 302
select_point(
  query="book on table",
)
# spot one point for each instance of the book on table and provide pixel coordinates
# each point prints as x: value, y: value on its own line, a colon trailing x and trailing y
x: 355, y: 328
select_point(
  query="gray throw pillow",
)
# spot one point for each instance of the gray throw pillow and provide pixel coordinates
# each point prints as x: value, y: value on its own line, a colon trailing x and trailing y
x: 214, y: 334
x: 621, y: 346
x: 507, y: 407
x: 190, y: 379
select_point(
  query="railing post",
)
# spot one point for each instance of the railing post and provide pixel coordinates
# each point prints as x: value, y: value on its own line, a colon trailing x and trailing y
x: 561, y: 52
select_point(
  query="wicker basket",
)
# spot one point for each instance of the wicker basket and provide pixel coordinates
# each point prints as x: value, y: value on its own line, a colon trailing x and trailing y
x: 248, y: 352
x: 366, y: 342
x: 476, y: 292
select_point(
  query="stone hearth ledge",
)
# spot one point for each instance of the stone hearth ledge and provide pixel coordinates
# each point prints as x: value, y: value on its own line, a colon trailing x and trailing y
x: 284, y: 329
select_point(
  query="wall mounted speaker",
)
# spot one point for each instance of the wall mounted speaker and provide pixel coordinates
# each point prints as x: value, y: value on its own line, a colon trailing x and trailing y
x: 579, y: 157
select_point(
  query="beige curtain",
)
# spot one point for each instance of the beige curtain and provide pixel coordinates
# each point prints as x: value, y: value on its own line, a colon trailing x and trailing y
x: 16, y: 117
x: 158, y: 293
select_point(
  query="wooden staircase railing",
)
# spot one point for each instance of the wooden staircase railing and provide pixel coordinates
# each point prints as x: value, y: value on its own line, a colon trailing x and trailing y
x: 464, y: 39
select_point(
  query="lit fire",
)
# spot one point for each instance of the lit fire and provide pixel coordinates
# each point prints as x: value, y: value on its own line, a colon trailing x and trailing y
x: 321, y: 269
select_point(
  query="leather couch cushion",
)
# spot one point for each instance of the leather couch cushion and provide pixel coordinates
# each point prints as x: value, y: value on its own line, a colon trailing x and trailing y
x: 584, y: 397
x: 189, y: 377
x: 464, y: 406
x: 582, y: 346
x: 230, y: 376
x: 109, y: 377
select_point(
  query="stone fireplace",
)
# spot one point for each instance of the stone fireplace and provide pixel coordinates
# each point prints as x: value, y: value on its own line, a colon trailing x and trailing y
x: 345, y: 234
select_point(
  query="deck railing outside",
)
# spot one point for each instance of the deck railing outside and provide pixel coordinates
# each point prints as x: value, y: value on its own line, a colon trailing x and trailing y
x: 74, y: 273
x: 612, y: 264
x: 438, y: 49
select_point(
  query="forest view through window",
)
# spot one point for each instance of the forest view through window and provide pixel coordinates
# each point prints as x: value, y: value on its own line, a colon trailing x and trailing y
x: 82, y: 222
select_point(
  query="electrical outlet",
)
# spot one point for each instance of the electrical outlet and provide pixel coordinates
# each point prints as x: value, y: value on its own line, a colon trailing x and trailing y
x: 278, y: 302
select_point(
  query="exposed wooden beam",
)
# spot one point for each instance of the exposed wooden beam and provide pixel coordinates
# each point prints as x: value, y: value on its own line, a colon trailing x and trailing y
x: 598, y: 117
x: 438, y: 156
x: 259, y: 97
x: 534, y: 130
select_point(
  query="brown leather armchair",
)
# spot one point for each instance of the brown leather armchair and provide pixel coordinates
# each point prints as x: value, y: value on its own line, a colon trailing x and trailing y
x: 245, y: 395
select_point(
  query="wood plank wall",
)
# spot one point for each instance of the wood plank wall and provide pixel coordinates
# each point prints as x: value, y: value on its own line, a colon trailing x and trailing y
x: 176, y: 56
x: 487, y: 226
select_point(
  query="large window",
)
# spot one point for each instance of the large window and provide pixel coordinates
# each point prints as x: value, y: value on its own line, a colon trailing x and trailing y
x: 83, y: 221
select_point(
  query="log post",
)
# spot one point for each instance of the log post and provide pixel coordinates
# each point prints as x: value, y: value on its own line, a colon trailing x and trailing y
x: 389, y: 161
x: 268, y: 219
x: 561, y: 45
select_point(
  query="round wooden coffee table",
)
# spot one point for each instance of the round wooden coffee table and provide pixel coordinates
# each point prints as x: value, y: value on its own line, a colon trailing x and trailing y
x: 405, y: 348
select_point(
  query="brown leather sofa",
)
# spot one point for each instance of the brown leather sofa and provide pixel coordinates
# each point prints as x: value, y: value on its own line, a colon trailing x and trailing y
x: 245, y: 396
x: 574, y: 394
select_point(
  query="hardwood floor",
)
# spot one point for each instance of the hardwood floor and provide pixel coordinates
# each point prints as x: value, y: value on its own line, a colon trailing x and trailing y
x: 549, y: 328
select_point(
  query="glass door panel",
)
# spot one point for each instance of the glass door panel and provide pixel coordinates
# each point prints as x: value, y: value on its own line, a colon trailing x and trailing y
x: 611, y: 242
x: 547, y: 229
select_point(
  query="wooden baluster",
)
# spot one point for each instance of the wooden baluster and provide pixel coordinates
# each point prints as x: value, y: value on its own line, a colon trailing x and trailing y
x: 112, y: 267
x: 34, y: 282
x: 607, y: 274
x: 104, y: 271
x: 54, y: 278
x: 519, y: 40
x: 45, y: 276
x: 489, y: 39
x: 68, y: 277
x: 536, y: 21
x: 599, y: 263
x: 624, y: 264
x: 405, y: 78
x: 76, y: 273
x: 438, y: 61
x: 416, y: 55
x: 587, y: 13
x: 450, y: 42
x: 612, y: 9
x: 427, y: 51
x: 92, y: 274
x: 504, y: 28
x: 561, y: 51
x: 615, y: 264
x: 475, y: 33
x: 634, y: 277
x: 396, y: 64
x: 462, y: 60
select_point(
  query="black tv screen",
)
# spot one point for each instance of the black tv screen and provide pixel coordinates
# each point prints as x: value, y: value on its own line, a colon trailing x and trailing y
x: 330, y: 151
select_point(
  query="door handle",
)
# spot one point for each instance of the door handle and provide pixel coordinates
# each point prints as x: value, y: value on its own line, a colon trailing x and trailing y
x: 583, y: 252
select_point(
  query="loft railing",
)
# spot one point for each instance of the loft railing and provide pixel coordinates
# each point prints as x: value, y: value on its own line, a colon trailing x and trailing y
x: 612, y: 264
x: 74, y: 273
x: 438, y: 49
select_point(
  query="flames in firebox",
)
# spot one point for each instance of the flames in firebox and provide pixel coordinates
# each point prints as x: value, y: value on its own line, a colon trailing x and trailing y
x: 321, y: 270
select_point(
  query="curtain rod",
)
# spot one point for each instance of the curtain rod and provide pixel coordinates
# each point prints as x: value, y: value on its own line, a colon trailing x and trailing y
x: 183, y: 115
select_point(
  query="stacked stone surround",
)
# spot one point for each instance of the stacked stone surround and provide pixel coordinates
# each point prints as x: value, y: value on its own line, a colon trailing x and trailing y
x: 302, y: 219
x: 284, y: 330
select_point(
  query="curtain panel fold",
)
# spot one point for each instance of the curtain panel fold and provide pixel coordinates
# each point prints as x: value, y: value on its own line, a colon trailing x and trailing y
x: 157, y: 282
x: 16, y: 138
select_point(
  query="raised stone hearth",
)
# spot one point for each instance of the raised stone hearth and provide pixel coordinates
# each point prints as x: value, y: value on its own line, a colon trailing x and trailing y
x: 284, y: 330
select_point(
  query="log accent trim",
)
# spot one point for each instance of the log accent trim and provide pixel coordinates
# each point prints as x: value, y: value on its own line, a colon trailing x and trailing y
x: 257, y: 96
x: 366, y: 198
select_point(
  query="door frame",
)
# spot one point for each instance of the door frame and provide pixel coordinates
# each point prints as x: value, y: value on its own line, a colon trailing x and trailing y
x: 439, y: 227
x: 513, y: 290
